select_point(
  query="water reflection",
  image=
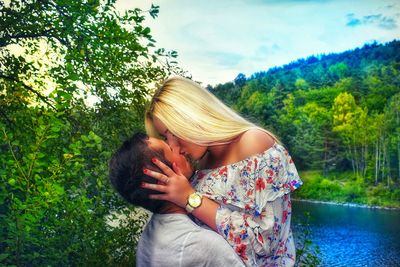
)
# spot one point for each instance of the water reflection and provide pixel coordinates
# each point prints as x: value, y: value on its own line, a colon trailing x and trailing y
x: 352, y: 236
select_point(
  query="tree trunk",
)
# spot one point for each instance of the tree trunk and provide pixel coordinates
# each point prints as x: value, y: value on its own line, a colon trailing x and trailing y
x: 398, y: 145
x: 386, y: 164
x: 381, y: 159
x: 365, y: 159
x: 325, y: 172
x: 398, y: 158
x: 356, y: 160
x: 350, y: 155
x: 376, y: 161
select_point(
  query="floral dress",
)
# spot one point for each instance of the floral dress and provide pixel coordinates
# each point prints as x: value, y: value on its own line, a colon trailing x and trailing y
x: 255, y: 208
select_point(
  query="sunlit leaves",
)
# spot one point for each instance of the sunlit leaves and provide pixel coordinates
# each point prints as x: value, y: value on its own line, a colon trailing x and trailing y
x: 75, y: 76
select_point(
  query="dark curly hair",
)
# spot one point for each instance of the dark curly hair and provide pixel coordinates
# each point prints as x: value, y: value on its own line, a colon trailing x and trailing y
x: 126, y: 172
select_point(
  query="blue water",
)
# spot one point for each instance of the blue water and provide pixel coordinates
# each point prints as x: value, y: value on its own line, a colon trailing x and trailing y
x: 352, y: 236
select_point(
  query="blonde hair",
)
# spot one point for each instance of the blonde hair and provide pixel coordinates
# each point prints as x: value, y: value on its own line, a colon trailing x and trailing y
x: 193, y: 114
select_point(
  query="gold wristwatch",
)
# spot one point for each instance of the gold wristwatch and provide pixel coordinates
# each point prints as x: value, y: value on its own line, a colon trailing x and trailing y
x: 193, y: 202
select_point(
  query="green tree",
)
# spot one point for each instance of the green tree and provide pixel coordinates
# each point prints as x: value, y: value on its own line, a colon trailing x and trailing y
x: 351, y: 123
x: 301, y: 84
x: 287, y: 129
x: 378, y: 137
x: 240, y: 80
x: 75, y: 78
x: 338, y: 70
x: 380, y: 87
x: 260, y: 105
x: 392, y: 127
x: 310, y: 137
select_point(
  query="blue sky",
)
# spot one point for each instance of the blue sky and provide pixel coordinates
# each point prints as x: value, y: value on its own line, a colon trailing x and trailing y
x: 216, y: 40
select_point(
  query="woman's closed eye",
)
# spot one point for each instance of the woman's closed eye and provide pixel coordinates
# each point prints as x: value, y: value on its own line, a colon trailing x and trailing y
x: 164, y: 136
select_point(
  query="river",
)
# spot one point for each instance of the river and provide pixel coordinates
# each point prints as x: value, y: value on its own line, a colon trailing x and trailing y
x: 352, y: 236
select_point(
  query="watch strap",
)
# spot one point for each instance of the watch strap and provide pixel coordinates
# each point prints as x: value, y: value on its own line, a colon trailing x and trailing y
x: 190, y: 208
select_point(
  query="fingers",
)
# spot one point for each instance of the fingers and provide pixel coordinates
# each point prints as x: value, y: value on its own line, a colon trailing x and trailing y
x: 159, y: 197
x: 177, y: 170
x: 155, y: 187
x: 165, y: 169
x: 159, y: 176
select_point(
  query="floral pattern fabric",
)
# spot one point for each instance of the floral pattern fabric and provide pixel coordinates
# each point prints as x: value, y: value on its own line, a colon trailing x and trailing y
x: 255, y: 209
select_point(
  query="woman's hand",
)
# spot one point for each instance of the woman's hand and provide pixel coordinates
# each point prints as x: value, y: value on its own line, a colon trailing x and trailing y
x: 175, y: 185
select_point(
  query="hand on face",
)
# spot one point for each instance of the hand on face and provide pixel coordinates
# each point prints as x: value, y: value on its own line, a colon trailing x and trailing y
x: 175, y: 185
x: 172, y: 155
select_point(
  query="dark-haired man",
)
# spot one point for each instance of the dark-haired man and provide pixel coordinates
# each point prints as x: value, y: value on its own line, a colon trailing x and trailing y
x: 170, y: 238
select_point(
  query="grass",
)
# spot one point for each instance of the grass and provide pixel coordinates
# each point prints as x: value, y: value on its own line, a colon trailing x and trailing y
x: 343, y: 187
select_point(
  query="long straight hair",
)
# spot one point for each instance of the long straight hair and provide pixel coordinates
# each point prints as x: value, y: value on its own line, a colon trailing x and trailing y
x: 193, y: 114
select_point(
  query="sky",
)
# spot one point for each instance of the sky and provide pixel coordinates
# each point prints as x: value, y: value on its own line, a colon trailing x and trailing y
x: 218, y: 39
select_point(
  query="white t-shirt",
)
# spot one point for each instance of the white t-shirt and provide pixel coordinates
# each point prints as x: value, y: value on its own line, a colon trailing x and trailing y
x: 174, y: 240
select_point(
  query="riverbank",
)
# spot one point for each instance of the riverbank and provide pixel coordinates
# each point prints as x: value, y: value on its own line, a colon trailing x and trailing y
x: 343, y: 189
x: 345, y: 204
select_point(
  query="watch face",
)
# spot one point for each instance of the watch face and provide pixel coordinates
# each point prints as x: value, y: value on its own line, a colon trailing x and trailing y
x: 194, y: 200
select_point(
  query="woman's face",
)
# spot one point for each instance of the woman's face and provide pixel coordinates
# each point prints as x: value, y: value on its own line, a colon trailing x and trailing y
x: 189, y: 149
x: 170, y: 155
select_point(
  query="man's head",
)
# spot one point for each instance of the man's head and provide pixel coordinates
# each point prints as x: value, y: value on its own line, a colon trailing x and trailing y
x: 127, y: 163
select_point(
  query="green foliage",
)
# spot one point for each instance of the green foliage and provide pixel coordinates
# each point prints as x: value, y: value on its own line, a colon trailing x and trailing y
x: 345, y: 112
x: 260, y: 103
x: 75, y: 78
x: 55, y: 197
x: 338, y: 70
x: 346, y: 188
x: 301, y: 84
x: 85, y: 47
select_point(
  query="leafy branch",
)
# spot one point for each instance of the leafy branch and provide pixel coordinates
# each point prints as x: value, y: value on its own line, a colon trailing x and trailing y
x: 42, y: 97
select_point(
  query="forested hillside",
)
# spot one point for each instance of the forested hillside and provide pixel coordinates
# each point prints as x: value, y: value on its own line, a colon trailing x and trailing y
x: 338, y: 114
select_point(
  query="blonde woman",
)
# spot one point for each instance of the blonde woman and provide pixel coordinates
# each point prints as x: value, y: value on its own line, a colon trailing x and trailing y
x: 242, y: 189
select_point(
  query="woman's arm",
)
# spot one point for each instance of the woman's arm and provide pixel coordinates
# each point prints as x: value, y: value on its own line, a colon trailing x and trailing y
x: 177, y: 191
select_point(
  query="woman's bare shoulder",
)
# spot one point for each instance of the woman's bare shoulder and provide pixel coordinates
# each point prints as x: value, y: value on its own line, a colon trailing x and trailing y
x: 253, y: 142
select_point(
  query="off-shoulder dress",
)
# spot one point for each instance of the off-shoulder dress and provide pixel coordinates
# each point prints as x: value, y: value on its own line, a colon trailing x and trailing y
x: 255, y: 208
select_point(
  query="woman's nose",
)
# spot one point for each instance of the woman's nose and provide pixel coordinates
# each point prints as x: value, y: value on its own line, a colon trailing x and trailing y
x: 173, y: 143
